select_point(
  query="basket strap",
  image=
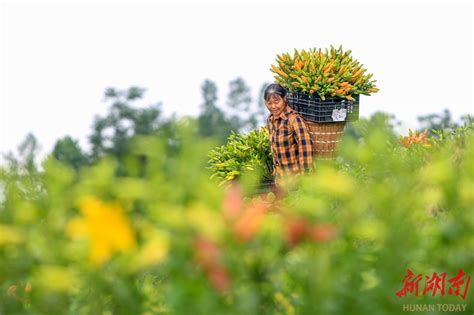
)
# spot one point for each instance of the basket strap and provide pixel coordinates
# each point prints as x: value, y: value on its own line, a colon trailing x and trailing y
x: 322, y: 141
x: 325, y: 133
x: 325, y: 151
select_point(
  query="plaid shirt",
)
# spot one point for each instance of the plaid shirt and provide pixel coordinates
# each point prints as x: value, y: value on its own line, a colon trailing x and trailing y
x: 290, y: 142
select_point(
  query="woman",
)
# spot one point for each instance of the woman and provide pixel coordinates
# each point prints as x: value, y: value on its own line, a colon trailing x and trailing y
x: 290, y: 140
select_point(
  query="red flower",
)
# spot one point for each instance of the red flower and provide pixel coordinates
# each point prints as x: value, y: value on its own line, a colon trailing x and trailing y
x: 233, y: 202
x: 219, y: 278
x: 207, y: 252
x: 322, y: 232
x: 208, y: 256
x: 296, y: 230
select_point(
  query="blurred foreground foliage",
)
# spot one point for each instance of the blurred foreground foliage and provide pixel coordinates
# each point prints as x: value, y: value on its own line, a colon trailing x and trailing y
x: 167, y: 240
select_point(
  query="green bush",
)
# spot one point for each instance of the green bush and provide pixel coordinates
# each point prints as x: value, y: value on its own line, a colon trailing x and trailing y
x: 174, y: 242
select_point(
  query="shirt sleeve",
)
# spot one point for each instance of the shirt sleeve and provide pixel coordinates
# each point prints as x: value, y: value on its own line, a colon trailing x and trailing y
x: 305, y: 148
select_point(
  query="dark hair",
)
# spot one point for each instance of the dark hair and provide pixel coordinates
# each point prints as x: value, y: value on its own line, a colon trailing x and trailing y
x: 274, y: 89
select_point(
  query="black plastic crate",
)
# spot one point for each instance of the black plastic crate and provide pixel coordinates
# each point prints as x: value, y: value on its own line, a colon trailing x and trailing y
x: 332, y: 109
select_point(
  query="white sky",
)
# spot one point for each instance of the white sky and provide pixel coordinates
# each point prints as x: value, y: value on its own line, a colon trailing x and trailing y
x: 57, y: 58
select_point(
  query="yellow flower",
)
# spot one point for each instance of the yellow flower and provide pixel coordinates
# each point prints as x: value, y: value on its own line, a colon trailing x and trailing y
x: 153, y: 252
x: 283, y: 301
x: 369, y: 280
x: 10, y: 235
x: 334, y: 182
x: 105, y: 226
x: 56, y: 278
x: 206, y: 221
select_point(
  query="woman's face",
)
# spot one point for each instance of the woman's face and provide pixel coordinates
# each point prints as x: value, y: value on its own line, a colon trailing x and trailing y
x: 276, y: 105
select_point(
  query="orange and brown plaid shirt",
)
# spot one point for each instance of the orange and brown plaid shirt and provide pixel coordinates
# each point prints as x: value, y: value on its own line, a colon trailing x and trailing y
x: 290, y: 142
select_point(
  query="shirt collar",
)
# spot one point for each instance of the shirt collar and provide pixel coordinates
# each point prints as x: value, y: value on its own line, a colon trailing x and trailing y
x: 283, y: 115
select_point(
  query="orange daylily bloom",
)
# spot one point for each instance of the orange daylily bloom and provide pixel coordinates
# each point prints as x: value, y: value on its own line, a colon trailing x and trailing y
x: 251, y: 219
x: 415, y: 138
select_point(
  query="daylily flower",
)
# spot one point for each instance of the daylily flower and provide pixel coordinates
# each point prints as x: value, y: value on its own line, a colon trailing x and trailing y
x: 105, y: 226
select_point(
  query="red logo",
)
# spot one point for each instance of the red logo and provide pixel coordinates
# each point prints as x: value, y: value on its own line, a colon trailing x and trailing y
x: 457, y: 285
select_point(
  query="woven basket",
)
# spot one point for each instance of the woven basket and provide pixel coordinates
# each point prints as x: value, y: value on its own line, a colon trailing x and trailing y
x: 325, y: 137
x: 325, y: 119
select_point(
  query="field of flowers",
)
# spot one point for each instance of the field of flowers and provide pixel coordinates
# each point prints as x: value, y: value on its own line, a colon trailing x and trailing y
x: 168, y: 240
